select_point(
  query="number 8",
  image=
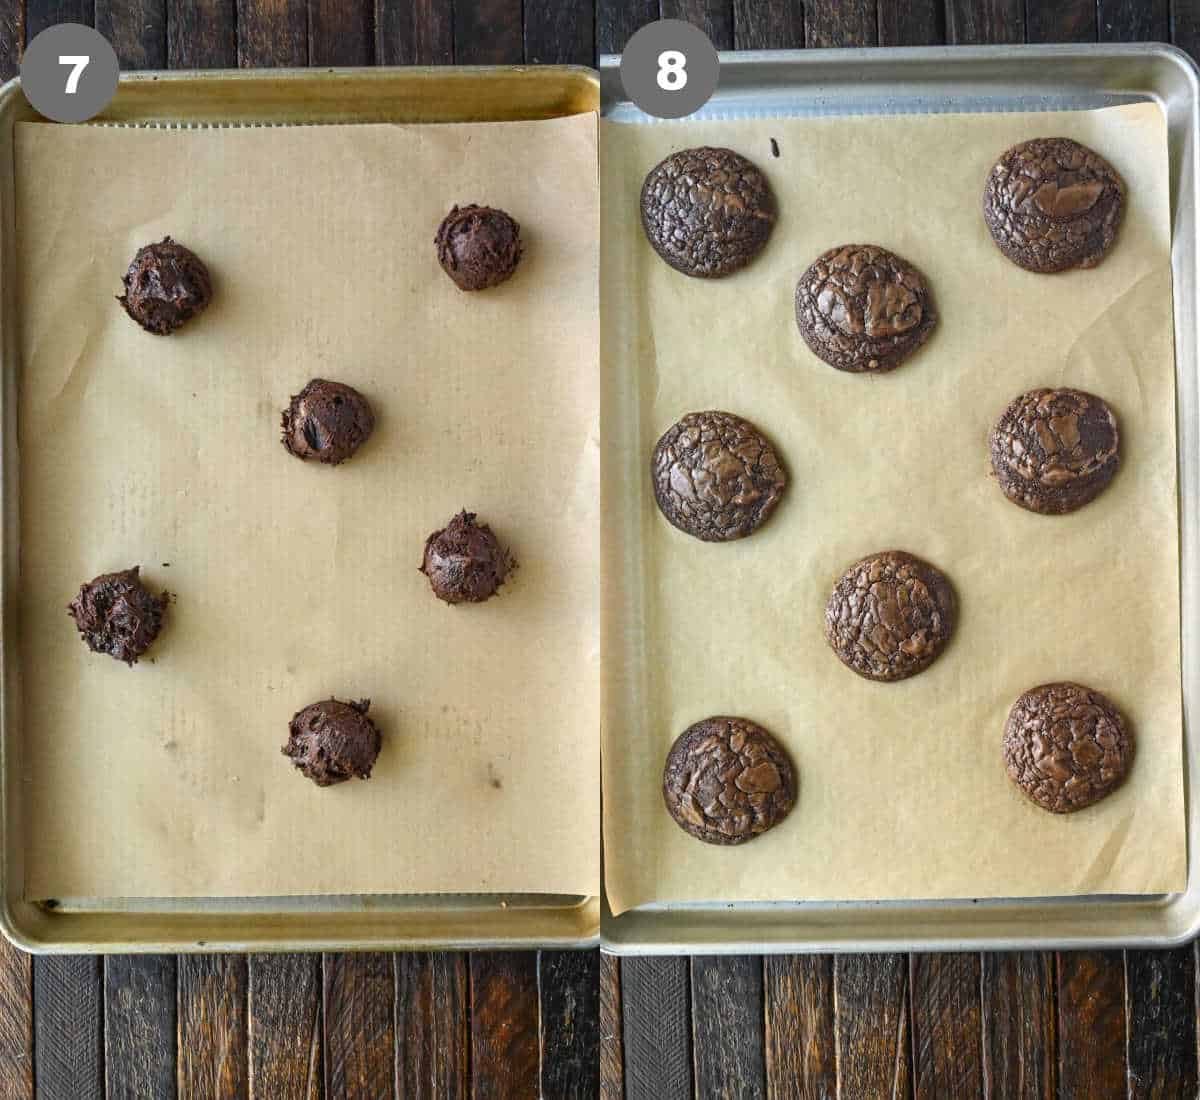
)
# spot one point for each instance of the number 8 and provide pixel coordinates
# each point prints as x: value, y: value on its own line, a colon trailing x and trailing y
x: 671, y: 74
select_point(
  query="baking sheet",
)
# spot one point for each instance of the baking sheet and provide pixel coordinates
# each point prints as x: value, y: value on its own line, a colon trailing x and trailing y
x: 902, y: 789
x: 295, y: 582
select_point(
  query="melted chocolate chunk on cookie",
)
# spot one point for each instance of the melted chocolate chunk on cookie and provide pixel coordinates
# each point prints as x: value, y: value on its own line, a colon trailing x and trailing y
x: 332, y: 741
x: 727, y: 781
x: 1066, y: 746
x: 166, y: 285
x: 117, y: 615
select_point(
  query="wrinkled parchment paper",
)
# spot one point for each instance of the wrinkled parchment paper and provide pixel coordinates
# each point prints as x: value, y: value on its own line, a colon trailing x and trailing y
x: 903, y: 792
x: 297, y: 581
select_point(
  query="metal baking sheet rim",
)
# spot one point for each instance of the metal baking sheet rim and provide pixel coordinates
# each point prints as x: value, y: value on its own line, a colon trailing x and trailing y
x: 973, y: 79
x: 317, y: 923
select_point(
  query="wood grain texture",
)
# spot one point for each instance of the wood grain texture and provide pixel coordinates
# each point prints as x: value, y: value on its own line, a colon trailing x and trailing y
x: 872, y: 1027
x: 617, y: 20
x: 799, y: 1024
x: 341, y: 32
x: 68, y: 1023
x: 558, y: 33
x: 285, y: 1027
x: 359, y: 1031
x: 488, y: 32
x: 12, y: 37
x: 504, y: 1025
x: 420, y: 32
x: 713, y: 17
x: 139, y: 1027
x: 433, y: 1026
x: 1160, y: 999
x: 840, y: 23
x: 768, y: 25
x: 40, y: 14
x: 202, y: 34
x: 272, y: 33
x: 1019, y: 1037
x: 946, y: 1028
x: 569, y: 1009
x: 612, y: 1052
x: 1091, y: 1025
x: 656, y: 1011
x: 1185, y: 26
x: 911, y: 23
x: 971, y: 22
x: 727, y: 1027
x: 1133, y: 20
x: 137, y: 30
x: 16, y: 1023
x: 213, y: 1059
x: 1060, y: 20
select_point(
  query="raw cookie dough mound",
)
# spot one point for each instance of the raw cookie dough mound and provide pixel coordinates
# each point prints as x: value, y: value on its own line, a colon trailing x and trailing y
x: 707, y: 212
x: 863, y: 309
x: 327, y: 421
x: 716, y: 476
x: 727, y: 780
x: 1053, y: 204
x: 1066, y: 746
x: 890, y: 616
x: 332, y: 741
x: 478, y: 247
x: 166, y: 284
x: 1054, y: 450
x: 465, y: 562
x: 117, y: 615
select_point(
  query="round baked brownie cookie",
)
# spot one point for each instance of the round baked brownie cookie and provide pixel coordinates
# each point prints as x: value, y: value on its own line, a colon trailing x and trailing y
x: 716, y: 476
x: 117, y: 615
x: 465, y: 562
x: 166, y: 284
x: 478, y: 246
x: 327, y: 421
x: 1053, y: 204
x: 890, y: 616
x: 863, y: 309
x: 332, y: 741
x: 707, y: 212
x: 1053, y: 450
x: 727, y: 780
x: 1066, y: 746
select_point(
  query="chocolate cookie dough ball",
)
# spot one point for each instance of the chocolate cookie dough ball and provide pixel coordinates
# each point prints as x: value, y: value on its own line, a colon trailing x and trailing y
x: 707, y: 212
x: 890, y: 616
x: 1054, y: 450
x: 166, y: 284
x: 863, y: 309
x: 117, y: 615
x: 327, y: 421
x: 716, y: 476
x: 1053, y: 204
x: 332, y: 741
x: 478, y: 246
x: 465, y: 562
x: 727, y: 781
x: 1066, y: 746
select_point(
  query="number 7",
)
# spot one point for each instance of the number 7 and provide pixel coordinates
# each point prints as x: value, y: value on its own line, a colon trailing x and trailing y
x: 78, y: 63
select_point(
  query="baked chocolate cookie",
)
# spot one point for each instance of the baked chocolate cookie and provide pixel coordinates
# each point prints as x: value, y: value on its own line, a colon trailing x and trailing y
x: 332, y: 741
x: 1054, y: 450
x: 478, y: 247
x: 890, y: 616
x: 727, y: 780
x: 1066, y: 746
x: 465, y: 562
x: 166, y: 284
x: 716, y: 476
x: 327, y: 421
x: 707, y: 212
x: 117, y: 615
x: 1053, y: 204
x: 863, y: 309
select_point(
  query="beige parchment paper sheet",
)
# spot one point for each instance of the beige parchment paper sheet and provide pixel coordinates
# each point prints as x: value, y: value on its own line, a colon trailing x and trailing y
x: 294, y: 581
x: 903, y: 792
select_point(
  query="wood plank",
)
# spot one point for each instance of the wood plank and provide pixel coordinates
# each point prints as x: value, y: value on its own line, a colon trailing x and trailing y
x: 569, y: 1008
x: 1091, y: 1024
x: 40, y: 14
x: 1060, y: 20
x: 612, y: 1052
x: 768, y: 25
x: 840, y: 23
x: 16, y: 1023
x: 558, y: 33
x: 213, y: 1059
x: 139, y: 1027
x: 727, y: 1027
x: 912, y: 22
x: 137, y: 30
x: 946, y: 1028
x: 202, y: 34
x: 504, y: 1025
x: 1160, y: 1001
x: 285, y: 1027
x: 800, y: 1040
x: 12, y: 37
x: 970, y: 22
x: 360, y: 1061
x: 874, y: 1056
x: 713, y: 17
x: 1019, y: 1041
x: 488, y: 32
x: 68, y: 1028
x: 433, y: 1026
x: 616, y: 21
x: 341, y: 32
x: 656, y: 999
x: 1132, y: 20
x: 419, y: 32
x: 272, y: 33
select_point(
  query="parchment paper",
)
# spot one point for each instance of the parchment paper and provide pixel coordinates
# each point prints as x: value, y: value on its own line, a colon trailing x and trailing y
x: 295, y: 581
x: 903, y: 792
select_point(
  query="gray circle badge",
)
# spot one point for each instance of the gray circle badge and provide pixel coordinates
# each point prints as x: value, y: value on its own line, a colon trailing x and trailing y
x: 669, y: 68
x: 69, y: 72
